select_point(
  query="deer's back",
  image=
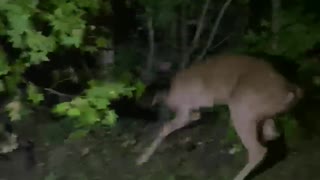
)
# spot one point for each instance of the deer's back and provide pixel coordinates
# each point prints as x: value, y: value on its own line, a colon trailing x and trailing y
x: 221, y: 77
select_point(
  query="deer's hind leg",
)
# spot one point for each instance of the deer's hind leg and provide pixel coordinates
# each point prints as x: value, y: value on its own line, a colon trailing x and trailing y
x: 245, y: 124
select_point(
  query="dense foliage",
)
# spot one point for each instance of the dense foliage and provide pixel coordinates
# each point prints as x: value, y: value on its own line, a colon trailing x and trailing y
x: 31, y: 31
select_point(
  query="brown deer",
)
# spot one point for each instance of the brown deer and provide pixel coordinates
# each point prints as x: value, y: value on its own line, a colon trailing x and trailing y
x: 254, y: 92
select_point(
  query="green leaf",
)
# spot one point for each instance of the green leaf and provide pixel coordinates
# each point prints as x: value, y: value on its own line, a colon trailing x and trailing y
x: 89, y: 116
x: 65, y: 25
x: 15, y: 38
x: 3, y: 3
x: 140, y: 88
x: 2, y: 86
x: 90, y: 49
x: 100, y: 103
x: 102, y: 42
x: 38, y: 57
x: 78, y: 134
x: 3, y: 28
x: 11, y: 82
x: 61, y: 108
x: 38, y: 42
x: 34, y: 95
x: 36, y: 98
x: 110, y: 118
x: 93, y: 5
x: 73, y: 112
x: 30, y: 3
x: 19, y: 22
x: 97, y: 92
x: 14, y: 108
x: 79, y: 101
x: 75, y: 39
x: 4, y: 66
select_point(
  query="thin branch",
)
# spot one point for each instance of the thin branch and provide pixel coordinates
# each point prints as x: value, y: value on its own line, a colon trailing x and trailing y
x: 60, y: 81
x: 214, y: 29
x: 58, y: 93
x: 200, y: 25
x: 195, y: 41
x: 222, y: 41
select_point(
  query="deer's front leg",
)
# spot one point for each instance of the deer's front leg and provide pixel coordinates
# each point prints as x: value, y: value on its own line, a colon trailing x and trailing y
x: 182, y: 119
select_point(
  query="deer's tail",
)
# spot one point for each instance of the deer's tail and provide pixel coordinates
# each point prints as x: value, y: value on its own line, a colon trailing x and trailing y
x: 295, y: 94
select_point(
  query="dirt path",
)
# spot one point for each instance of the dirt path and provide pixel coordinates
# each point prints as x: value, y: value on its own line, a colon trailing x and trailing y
x: 194, y: 153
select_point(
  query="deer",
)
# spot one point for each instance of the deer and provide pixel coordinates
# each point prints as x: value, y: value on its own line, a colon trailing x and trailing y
x: 253, y: 90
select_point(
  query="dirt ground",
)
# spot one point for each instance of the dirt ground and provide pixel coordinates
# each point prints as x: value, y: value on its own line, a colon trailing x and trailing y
x: 198, y: 152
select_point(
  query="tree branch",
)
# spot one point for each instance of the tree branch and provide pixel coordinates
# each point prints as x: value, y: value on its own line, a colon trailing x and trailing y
x: 200, y: 24
x: 214, y: 30
x: 222, y: 41
x: 195, y: 41
x: 59, y: 93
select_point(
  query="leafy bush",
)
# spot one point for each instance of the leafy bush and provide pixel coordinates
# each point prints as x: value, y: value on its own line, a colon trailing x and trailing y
x: 30, y: 31
x: 297, y: 34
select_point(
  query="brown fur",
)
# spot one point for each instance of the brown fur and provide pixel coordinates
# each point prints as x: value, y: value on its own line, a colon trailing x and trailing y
x: 251, y: 88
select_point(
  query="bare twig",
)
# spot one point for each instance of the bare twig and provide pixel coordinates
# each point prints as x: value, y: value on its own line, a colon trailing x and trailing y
x: 200, y: 25
x: 222, y: 41
x: 58, y: 93
x: 214, y: 30
x: 195, y: 41
x: 60, y: 81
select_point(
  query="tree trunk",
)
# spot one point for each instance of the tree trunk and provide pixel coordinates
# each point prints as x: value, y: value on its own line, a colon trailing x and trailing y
x: 147, y: 74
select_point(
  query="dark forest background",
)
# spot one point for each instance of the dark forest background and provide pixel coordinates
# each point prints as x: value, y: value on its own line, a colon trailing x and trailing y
x: 78, y: 77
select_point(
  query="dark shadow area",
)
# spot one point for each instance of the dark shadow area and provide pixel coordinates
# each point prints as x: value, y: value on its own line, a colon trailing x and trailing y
x: 277, y: 151
x: 307, y: 113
